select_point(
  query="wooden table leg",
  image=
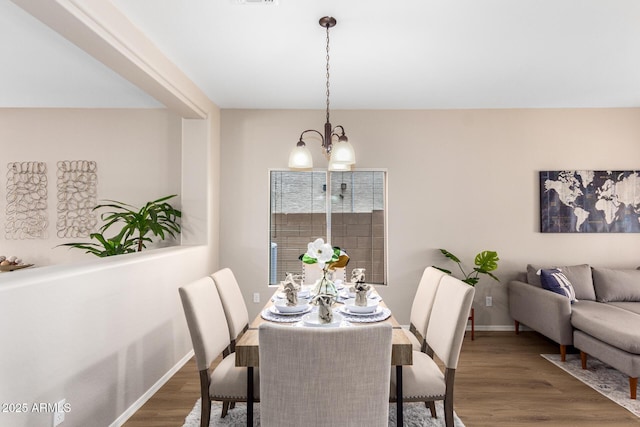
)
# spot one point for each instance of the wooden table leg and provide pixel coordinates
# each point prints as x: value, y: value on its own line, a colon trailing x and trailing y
x: 399, y: 415
x: 250, y: 396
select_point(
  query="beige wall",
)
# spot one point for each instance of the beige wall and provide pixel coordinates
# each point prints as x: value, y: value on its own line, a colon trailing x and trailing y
x: 464, y: 180
x: 105, y: 333
x: 138, y: 155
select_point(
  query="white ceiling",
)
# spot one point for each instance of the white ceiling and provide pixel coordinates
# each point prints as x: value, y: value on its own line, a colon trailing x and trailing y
x: 395, y: 54
x: 40, y: 68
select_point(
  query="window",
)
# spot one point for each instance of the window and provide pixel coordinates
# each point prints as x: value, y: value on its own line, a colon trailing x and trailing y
x: 352, y: 210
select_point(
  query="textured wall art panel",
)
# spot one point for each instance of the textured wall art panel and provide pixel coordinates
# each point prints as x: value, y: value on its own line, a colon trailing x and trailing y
x: 77, y: 190
x: 26, y: 201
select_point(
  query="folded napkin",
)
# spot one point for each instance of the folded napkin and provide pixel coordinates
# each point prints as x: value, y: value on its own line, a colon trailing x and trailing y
x: 357, y: 275
x: 291, y: 292
x: 361, y: 290
x: 324, y: 303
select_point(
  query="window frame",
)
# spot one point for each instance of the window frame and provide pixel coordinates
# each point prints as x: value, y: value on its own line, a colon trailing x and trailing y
x: 328, y: 214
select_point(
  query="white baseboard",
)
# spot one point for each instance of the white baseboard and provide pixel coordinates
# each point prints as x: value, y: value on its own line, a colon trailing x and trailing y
x: 497, y: 328
x: 149, y: 393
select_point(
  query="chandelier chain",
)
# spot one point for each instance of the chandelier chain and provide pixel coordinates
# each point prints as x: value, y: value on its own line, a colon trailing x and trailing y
x: 328, y: 74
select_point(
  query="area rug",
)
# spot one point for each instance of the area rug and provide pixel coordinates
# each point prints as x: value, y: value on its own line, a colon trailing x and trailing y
x: 415, y: 415
x: 601, y: 377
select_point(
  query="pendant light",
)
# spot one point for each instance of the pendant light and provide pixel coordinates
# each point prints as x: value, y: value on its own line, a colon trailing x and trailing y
x: 341, y: 155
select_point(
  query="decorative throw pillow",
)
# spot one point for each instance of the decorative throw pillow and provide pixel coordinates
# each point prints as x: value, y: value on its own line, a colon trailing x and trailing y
x: 555, y: 281
x: 579, y: 275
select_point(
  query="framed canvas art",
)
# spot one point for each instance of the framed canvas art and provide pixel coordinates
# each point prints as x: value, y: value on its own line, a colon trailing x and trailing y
x: 590, y: 201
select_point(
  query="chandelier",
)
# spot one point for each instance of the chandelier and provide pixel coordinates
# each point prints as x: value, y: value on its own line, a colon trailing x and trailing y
x: 340, y: 154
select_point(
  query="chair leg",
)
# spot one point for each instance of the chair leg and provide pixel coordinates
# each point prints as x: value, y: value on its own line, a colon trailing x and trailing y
x: 233, y: 405
x: 449, y: 376
x: 563, y: 352
x: 225, y: 409
x: 583, y: 359
x: 517, y: 326
x: 432, y: 408
x: 448, y: 412
x: 205, y: 412
x: 633, y: 387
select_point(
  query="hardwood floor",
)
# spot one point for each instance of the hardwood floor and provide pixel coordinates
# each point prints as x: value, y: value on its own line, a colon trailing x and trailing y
x: 501, y: 381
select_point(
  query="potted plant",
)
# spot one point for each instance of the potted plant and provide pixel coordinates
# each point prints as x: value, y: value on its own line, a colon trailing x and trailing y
x: 485, y: 262
x: 156, y: 218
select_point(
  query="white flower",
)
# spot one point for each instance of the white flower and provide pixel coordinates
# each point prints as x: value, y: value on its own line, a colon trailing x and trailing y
x: 321, y: 251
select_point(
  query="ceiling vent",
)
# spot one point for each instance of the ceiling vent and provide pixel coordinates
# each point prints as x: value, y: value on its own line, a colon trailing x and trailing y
x: 267, y: 2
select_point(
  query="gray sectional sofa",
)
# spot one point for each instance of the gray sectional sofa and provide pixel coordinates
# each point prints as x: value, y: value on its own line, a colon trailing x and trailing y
x: 604, y: 322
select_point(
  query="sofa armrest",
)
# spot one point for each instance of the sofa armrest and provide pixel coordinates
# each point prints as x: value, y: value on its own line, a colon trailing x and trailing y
x: 541, y: 310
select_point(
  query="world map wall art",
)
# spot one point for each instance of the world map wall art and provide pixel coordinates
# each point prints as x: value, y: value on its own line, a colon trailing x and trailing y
x: 590, y: 201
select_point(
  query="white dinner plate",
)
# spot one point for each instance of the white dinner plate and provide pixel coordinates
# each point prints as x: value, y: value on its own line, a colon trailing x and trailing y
x: 370, y: 308
x: 345, y: 310
x: 373, y: 297
x: 312, y: 319
x: 283, y: 306
x: 305, y: 292
x: 274, y: 310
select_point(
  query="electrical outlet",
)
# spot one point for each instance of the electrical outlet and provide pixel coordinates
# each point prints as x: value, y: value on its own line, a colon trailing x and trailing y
x: 58, y: 415
x: 488, y: 301
x: 256, y: 297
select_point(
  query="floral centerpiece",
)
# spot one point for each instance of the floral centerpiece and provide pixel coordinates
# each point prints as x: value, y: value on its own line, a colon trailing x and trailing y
x: 328, y: 259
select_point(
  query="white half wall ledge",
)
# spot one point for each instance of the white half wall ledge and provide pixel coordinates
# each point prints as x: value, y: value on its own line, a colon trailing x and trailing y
x: 99, y: 334
x: 34, y: 275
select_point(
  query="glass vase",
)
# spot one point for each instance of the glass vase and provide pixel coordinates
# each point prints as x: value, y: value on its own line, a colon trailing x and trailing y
x: 325, y: 286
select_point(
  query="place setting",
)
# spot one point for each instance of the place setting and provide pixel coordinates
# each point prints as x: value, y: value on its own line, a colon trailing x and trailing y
x: 355, y: 302
x: 361, y: 305
x: 304, y: 313
x: 367, y: 311
x: 283, y: 312
x: 348, y: 292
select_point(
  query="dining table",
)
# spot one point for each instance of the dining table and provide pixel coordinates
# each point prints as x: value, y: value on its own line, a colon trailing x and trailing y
x: 247, y: 346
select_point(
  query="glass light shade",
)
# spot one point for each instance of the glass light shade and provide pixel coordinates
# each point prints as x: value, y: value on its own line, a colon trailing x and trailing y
x: 338, y: 166
x: 300, y: 158
x: 342, y: 151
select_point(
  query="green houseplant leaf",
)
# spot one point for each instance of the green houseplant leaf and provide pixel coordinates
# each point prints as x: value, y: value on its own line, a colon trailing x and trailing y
x: 485, y: 262
x: 450, y: 255
x: 156, y: 218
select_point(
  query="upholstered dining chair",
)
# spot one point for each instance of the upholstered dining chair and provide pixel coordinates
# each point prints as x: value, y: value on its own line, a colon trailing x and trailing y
x: 210, y: 337
x: 235, y: 311
x: 233, y: 303
x: 424, y: 381
x: 421, y: 307
x: 324, y: 376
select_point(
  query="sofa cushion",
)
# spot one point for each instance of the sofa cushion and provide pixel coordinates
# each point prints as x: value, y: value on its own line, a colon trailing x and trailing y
x: 612, y: 325
x: 627, y: 305
x: 554, y: 281
x: 616, y: 284
x: 578, y: 275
